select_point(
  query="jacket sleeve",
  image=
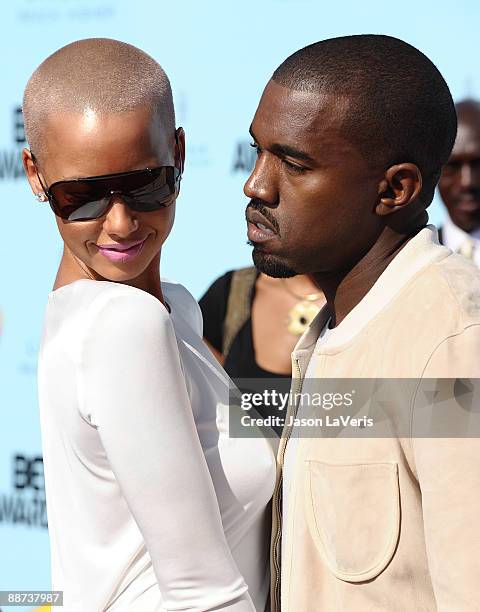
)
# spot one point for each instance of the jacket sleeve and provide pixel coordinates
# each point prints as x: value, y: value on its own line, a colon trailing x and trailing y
x: 448, y: 471
x: 132, y: 389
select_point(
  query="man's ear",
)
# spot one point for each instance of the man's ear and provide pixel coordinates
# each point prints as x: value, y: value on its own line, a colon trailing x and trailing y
x: 400, y: 186
x: 31, y: 172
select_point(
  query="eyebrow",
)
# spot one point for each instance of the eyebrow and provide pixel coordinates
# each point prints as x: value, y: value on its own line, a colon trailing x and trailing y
x: 283, y: 150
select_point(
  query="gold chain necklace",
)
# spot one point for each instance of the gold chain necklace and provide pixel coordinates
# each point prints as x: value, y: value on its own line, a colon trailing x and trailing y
x: 302, y: 314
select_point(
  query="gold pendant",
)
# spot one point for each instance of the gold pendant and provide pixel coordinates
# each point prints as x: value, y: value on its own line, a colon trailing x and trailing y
x: 300, y: 317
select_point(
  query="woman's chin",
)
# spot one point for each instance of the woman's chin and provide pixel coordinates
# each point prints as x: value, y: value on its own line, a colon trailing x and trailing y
x: 120, y: 271
x: 119, y: 276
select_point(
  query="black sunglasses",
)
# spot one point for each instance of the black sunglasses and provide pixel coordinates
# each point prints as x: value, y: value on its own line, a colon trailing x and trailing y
x: 88, y: 198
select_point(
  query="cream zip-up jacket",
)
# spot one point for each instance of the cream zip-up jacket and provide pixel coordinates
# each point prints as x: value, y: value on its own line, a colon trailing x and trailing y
x: 388, y: 524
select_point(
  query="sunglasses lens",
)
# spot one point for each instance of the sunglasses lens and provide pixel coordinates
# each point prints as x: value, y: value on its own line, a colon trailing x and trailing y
x: 156, y: 192
x: 91, y: 210
x: 143, y: 191
x: 78, y: 200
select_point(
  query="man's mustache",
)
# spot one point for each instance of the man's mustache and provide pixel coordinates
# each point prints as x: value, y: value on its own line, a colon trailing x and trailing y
x: 265, y: 211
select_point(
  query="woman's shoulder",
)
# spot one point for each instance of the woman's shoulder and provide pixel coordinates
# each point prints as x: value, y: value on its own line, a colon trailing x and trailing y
x: 84, y: 300
x: 85, y: 296
x: 81, y: 306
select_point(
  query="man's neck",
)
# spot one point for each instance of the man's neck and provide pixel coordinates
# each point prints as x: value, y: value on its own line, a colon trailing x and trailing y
x: 345, y: 290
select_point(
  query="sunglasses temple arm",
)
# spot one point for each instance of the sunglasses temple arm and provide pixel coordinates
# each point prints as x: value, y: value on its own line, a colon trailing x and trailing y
x: 180, y: 156
x: 44, y: 187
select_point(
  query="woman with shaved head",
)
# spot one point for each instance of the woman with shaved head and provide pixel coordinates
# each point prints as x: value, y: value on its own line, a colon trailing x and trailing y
x: 150, y: 506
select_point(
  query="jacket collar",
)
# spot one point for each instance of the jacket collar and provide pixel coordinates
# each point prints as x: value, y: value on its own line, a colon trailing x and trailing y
x: 420, y: 251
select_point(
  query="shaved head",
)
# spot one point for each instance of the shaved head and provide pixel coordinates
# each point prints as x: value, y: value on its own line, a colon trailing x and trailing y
x: 96, y: 76
x: 400, y: 107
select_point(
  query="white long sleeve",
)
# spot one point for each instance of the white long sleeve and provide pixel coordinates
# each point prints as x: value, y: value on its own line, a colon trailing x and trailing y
x: 148, y: 468
x: 132, y: 385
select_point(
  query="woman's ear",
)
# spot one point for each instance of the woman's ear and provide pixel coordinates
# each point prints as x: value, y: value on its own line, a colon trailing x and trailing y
x: 400, y: 186
x: 180, y: 149
x: 32, y: 175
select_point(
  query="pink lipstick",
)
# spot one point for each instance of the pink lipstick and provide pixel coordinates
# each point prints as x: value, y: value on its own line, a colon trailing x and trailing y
x: 121, y: 252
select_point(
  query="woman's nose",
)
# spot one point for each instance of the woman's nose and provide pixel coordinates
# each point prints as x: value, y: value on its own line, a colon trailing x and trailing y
x: 120, y: 219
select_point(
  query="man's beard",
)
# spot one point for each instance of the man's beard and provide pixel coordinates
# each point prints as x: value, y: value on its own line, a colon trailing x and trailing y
x: 270, y: 265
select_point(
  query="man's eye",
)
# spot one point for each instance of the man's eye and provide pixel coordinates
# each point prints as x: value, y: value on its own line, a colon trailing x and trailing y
x: 293, y: 167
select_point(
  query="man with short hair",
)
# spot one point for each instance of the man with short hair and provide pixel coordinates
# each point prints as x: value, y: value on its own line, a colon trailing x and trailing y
x: 459, y: 185
x: 351, y: 135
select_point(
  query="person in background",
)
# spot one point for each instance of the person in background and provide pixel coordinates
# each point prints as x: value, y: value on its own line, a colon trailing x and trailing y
x: 252, y: 322
x: 459, y: 185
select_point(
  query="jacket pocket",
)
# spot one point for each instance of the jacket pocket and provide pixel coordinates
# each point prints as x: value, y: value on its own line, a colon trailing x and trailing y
x: 353, y: 514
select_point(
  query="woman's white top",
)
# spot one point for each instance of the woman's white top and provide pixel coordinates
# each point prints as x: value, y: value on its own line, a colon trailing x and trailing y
x: 150, y: 505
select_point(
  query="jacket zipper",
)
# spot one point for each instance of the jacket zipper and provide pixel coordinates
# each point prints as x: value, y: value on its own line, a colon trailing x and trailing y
x: 277, y: 497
